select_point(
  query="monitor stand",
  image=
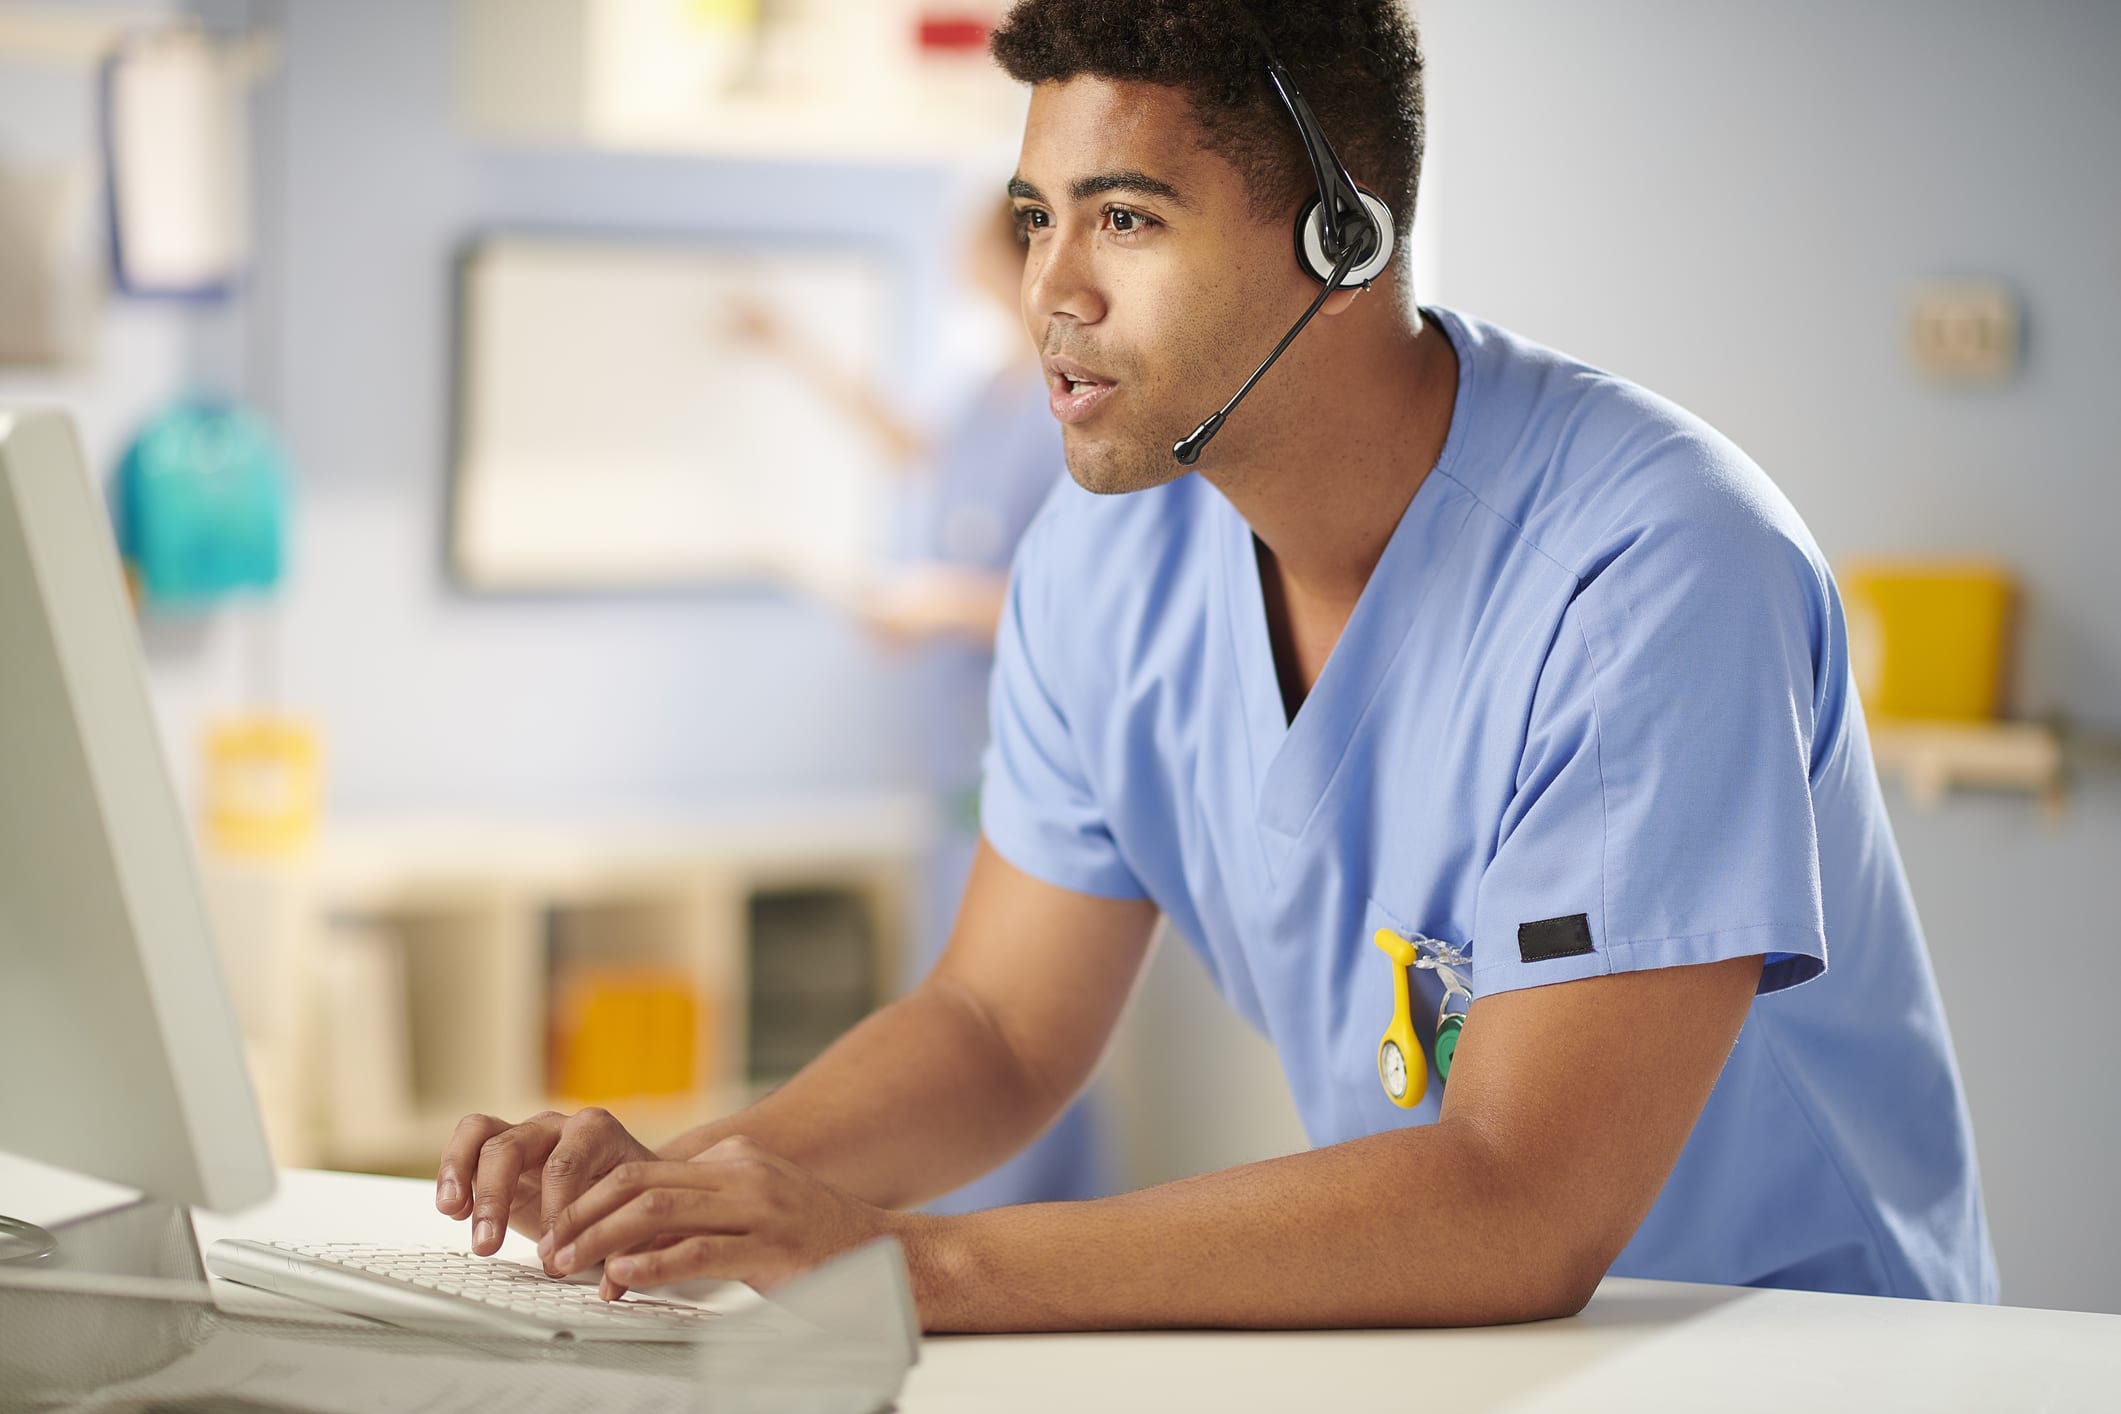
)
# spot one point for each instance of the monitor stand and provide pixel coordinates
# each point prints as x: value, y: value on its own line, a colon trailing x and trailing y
x: 66, y: 1337
x: 142, y: 1239
x: 24, y: 1243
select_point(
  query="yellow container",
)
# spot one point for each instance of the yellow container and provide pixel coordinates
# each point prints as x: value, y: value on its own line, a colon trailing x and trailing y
x: 1929, y: 640
x: 264, y: 790
x: 622, y: 1032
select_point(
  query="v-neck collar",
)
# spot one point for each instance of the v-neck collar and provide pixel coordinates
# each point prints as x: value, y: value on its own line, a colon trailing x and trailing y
x: 1293, y: 761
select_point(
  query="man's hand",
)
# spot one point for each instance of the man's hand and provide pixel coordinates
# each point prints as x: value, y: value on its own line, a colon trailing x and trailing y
x: 735, y: 1212
x: 521, y: 1175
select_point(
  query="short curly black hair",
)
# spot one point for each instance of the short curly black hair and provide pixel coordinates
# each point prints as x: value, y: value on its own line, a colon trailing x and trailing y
x: 1358, y: 63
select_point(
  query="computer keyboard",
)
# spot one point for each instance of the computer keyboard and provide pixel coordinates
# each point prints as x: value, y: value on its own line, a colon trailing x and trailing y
x: 440, y: 1287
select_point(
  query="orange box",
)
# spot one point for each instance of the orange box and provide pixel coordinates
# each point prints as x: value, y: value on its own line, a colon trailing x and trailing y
x: 623, y: 1032
x: 1930, y: 640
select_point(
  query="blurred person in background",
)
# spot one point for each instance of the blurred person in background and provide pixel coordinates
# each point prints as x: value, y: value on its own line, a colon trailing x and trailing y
x: 976, y: 488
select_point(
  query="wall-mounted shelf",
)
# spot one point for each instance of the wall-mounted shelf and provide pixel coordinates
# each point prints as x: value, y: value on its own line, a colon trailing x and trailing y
x: 1932, y: 758
x: 830, y: 79
x: 50, y: 34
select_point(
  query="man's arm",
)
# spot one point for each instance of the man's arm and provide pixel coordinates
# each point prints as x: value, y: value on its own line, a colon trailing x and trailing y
x: 942, y: 1085
x: 1567, y: 1107
x: 925, y: 1095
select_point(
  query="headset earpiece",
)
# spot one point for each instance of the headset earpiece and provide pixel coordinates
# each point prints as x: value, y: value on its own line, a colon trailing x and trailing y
x: 1311, y: 243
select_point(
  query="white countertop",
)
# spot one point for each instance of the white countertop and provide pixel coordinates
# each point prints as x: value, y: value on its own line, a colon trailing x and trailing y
x: 1639, y: 1345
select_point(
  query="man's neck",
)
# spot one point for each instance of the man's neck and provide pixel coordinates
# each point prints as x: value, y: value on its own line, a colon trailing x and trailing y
x: 1324, y: 503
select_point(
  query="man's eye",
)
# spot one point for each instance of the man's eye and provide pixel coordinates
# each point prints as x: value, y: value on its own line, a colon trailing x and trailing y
x: 1125, y: 222
x: 1029, y: 219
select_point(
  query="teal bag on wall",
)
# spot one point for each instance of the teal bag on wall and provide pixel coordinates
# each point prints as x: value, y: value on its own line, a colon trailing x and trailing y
x: 202, y: 504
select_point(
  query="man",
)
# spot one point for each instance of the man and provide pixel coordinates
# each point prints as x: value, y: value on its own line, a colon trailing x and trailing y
x: 1450, y: 638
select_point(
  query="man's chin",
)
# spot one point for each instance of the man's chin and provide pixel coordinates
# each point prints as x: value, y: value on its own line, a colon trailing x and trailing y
x: 1105, y: 466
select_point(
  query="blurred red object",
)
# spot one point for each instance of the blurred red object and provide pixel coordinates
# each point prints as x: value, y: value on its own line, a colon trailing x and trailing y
x: 954, y: 31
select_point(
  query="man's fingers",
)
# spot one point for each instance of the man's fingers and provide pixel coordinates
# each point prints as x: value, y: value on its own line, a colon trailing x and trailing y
x: 500, y: 1165
x: 637, y: 1205
x: 611, y: 1290
x: 607, y: 1195
x: 714, y: 1255
x: 460, y: 1163
x: 591, y: 1144
x: 503, y: 1158
x: 659, y: 1216
x: 526, y: 1215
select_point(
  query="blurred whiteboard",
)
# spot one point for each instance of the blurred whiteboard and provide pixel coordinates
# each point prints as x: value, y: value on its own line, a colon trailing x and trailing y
x: 614, y: 429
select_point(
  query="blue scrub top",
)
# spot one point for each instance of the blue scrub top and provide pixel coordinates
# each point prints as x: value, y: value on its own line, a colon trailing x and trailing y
x: 1600, y: 671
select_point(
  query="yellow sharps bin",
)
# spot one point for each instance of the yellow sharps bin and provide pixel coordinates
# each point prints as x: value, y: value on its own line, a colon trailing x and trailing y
x: 1930, y: 639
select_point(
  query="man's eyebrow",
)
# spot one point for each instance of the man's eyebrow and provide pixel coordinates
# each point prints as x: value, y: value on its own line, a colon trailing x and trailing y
x: 1140, y: 183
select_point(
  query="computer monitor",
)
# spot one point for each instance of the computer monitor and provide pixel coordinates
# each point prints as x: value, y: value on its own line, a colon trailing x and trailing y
x: 120, y: 1056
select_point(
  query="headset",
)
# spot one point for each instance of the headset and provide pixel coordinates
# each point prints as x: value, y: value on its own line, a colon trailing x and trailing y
x: 1344, y: 234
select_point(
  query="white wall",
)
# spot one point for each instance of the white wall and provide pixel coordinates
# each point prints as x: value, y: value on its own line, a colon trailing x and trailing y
x: 1729, y: 204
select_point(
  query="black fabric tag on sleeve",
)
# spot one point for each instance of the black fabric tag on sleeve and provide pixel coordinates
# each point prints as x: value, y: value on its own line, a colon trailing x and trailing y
x: 1554, y: 937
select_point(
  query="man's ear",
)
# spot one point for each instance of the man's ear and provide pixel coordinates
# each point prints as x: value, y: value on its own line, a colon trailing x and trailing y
x: 1339, y: 301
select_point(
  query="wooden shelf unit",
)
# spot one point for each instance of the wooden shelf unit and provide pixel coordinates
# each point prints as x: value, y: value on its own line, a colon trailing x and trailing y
x: 1934, y: 757
x: 399, y: 975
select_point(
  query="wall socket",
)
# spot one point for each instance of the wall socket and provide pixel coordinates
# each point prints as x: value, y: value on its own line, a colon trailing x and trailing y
x: 1965, y: 331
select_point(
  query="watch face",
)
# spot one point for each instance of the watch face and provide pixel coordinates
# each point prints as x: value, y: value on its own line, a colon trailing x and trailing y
x: 1392, y: 1066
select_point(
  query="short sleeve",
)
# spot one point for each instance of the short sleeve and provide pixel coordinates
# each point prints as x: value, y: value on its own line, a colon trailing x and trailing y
x: 1663, y: 809
x: 1037, y: 806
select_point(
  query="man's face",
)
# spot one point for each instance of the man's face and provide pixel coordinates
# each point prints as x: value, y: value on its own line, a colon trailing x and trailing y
x: 1151, y: 287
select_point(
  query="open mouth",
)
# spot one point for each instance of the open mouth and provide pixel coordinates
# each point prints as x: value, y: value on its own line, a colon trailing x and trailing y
x: 1075, y: 392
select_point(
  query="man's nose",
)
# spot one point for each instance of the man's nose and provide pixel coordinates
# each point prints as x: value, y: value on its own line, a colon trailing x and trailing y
x: 1060, y: 283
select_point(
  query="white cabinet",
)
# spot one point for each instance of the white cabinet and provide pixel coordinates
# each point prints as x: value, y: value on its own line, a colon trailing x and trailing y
x: 403, y: 974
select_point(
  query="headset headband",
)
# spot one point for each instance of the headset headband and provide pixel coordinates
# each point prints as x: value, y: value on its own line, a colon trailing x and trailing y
x: 1339, y: 198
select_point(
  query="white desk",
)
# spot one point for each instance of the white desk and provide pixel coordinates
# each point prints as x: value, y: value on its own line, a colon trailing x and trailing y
x: 1640, y: 1345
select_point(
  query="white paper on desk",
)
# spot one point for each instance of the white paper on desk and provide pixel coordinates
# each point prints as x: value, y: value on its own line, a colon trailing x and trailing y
x: 321, y: 1379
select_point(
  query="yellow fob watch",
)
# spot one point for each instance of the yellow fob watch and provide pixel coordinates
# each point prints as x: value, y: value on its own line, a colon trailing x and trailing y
x: 1400, y: 1064
x: 1399, y: 1060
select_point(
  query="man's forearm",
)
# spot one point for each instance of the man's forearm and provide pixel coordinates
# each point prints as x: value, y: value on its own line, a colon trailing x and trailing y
x: 1412, y: 1227
x: 923, y: 1096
